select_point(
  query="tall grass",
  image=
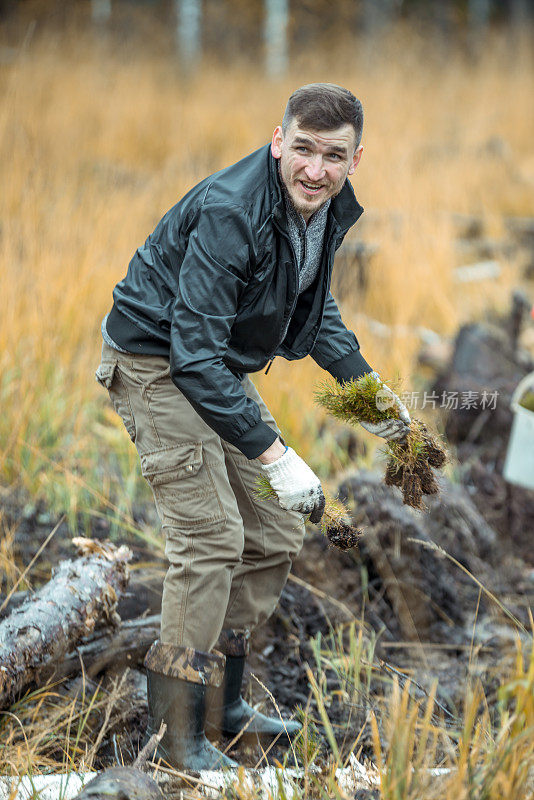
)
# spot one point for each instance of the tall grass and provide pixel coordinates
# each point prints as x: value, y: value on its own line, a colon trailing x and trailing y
x: 96, y: 145
x: 484, y: 753
x: 490, y: 756
x: 52, y: 729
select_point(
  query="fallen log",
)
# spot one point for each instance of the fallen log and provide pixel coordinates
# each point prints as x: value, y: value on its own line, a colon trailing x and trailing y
x: 12, y: 601
x: 47, y: 625
x: 143, y: 595
x: 354, y: 780
x: 45, y: 787
x: 126, y: 647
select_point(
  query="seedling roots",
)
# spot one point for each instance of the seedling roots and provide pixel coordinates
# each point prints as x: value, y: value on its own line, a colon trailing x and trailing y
x: 410, y: 461
x: 335, y: 523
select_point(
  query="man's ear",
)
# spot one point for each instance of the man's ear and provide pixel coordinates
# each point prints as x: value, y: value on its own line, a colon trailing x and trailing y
x: 276, y: 144
x: 356, y: 159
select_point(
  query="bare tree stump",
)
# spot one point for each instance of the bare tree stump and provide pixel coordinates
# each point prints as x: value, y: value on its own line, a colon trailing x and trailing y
x: 486, y: 367
x: 46, y: 626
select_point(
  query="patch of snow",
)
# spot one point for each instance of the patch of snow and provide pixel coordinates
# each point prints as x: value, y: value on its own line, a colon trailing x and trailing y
x: 46, y: 787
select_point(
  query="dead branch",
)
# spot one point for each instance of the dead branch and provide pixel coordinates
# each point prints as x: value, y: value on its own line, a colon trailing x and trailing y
x: 150, y: 747
x: 119, y: 649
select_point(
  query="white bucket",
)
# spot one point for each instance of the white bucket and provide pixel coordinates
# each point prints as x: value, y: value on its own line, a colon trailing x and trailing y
x: 519, y: 464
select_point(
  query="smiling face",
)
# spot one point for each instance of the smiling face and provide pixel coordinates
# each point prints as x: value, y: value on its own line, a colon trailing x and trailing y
x: 314, y: 165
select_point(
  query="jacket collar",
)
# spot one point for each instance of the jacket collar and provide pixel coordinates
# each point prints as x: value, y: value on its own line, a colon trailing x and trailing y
x: 344, y: 207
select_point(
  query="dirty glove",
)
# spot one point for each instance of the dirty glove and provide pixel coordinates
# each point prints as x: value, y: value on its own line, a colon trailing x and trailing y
x: 392, y: 429
x: 297, y: 487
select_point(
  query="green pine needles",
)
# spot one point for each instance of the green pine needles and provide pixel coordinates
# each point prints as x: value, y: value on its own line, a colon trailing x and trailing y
x: 410, y: 462
x: 355, y: 401
x: 264, y: 490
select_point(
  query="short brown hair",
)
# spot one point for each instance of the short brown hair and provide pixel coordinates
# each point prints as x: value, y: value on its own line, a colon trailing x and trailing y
x: 322, y: 107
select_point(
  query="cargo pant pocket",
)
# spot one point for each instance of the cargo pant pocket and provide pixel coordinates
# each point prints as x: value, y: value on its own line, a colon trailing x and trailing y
x: 108, y: 375
x: 184, y: 490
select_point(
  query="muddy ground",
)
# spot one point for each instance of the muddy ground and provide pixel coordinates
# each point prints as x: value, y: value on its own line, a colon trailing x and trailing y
x: 423, y: 614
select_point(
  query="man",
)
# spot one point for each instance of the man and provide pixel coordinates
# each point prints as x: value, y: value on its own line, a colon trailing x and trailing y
x: 236, y: 273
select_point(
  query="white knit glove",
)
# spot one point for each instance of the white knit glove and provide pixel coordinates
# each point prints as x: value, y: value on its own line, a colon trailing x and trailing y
x: 298, y: 488
x: 392, y: 429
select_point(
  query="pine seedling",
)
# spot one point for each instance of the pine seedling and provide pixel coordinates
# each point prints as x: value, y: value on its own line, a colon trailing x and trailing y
x: 410, y: 462
x: 335, y: 523
x: 264, y: 490
x: 354, y: 400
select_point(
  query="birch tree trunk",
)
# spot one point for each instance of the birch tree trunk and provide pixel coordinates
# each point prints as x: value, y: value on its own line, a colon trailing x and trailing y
x: 49, y: 624
x: 275, y: 34
x: 100, y: 11
x: 188, y: 32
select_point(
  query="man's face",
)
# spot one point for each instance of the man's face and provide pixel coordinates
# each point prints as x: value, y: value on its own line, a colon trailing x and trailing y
x: 314, y: 165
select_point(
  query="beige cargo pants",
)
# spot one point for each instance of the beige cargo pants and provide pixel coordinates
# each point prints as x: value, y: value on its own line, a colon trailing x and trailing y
x: 229, y: 553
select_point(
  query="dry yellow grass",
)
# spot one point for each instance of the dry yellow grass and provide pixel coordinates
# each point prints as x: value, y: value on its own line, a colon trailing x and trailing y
x: 489, y: 755
x: 95, y: 147
x: 9, y: 570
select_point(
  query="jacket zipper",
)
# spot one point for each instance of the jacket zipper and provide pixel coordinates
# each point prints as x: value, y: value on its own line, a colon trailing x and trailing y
x: 288, y: 240
x: 269, y: 365
x: 330, y: 245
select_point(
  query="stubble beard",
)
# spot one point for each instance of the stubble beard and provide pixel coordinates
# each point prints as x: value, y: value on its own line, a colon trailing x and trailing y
x: 306, y: 209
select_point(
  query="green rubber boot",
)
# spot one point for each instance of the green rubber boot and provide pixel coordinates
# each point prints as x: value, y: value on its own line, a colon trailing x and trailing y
x: 227, y: 712
x: 177, y: 698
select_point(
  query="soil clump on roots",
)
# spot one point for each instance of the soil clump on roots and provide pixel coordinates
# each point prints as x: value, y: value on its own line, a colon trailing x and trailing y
x: 409, y: 462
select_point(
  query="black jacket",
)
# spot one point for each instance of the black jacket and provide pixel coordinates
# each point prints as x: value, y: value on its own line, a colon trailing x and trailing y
x: 214, y: 285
